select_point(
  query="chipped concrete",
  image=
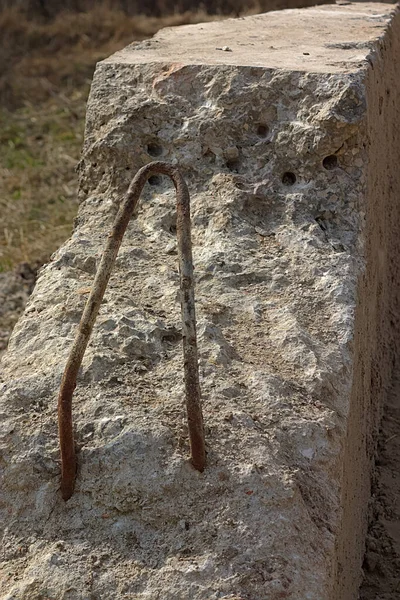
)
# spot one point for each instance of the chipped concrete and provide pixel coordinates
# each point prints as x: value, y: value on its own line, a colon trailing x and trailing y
x: 282, y: 151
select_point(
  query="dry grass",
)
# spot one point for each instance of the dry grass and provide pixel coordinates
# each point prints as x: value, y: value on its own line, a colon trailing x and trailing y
x: 43, y: 89
x: 38, y: 152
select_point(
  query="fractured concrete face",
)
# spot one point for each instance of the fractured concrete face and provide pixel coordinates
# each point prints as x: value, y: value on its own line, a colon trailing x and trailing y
x: 273, y: 141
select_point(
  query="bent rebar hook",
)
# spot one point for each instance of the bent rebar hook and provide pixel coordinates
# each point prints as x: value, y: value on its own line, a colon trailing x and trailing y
x: 191, y: 368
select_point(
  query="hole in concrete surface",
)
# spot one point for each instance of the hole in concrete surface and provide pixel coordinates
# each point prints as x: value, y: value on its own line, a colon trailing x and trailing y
x: 154, y: 149
x: 288, y: 178
x: 330, y: 162
x: 233, y: 165
x: 262, y: 130
x: 154, y: 180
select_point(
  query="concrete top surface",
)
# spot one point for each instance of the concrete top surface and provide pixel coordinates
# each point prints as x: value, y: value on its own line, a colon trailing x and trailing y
x: 329, y: 38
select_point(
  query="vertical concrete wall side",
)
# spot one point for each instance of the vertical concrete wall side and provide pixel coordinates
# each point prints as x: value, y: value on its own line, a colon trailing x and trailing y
x: 377, y: 323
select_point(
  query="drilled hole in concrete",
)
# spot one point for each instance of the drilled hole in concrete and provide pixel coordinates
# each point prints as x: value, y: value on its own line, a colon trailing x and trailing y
x: 233, y: 165
x: 154, y: 149
x: 330, y: 162
x: 154, y: 180
x: 262, y: 130
x: 288, y: 178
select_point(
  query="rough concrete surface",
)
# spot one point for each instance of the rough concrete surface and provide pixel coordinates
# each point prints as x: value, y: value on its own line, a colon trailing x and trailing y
x: 15, y: 289
x: 293, y: 223
x: 382, y: 557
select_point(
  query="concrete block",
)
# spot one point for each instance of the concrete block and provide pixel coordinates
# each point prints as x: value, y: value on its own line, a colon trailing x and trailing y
x: 286, y: 128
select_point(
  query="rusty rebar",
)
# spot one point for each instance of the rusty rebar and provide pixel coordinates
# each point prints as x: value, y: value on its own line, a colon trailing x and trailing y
x: 191, y: 369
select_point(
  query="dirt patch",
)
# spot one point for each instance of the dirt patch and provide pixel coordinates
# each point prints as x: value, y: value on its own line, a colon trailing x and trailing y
x: 382, y: 558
